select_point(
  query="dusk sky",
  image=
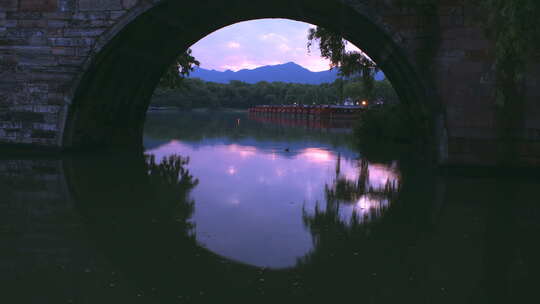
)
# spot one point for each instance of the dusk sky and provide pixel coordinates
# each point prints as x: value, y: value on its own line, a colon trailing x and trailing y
x: 250, y: 44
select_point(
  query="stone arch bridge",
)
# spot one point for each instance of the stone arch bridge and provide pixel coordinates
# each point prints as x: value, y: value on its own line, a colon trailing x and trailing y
x: 80, y: 73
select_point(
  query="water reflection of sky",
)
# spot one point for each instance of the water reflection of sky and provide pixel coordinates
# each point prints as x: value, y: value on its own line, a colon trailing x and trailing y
x: 249, y: 200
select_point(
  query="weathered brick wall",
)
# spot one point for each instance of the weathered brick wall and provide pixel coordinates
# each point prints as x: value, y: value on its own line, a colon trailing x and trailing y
x: 458, y: 60
x: 451, y: 51
x: 47, y: 45
x: 465, y: 83
x: 44, y: 45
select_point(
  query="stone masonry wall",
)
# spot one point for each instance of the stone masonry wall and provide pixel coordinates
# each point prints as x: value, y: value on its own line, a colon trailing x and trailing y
x: 44, y: 45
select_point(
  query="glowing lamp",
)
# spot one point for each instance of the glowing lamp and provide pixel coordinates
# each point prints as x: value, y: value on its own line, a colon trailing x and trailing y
x: 364, y: 103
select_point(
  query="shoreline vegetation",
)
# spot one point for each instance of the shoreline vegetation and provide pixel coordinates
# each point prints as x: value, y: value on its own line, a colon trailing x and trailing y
x: 195, y: 93
x: 153, y: 108
x: 392, y: 122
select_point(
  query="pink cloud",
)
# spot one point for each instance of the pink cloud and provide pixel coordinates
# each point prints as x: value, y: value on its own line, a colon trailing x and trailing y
x: 251, y: 44
x: 233, y: 45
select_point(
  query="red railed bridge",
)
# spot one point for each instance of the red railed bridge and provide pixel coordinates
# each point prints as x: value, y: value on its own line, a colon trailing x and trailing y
x: 78, y: 74
x: 303, y: 121
x: 313, y: 112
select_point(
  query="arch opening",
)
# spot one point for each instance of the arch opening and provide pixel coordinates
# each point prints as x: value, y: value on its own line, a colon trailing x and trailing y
x: 113, y: 94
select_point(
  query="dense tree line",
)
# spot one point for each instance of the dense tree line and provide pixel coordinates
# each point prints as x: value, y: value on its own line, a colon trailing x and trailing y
x: 196, y: 93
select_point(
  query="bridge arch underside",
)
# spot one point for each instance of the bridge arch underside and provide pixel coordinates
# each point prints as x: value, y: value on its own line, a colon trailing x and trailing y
x: 111, y: 98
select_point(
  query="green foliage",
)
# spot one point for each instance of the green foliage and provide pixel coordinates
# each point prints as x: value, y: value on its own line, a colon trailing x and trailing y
x: 332, y: 45
x: 392, y: 123
x: 513, y: 24
x: 384, y: 90
x: 175, y: 73
x: 196, y: 93
x: 381, y: 89
x: 354, y: 90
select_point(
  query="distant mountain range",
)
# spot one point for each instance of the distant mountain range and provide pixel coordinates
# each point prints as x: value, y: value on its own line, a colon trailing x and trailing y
x: 287, y: 72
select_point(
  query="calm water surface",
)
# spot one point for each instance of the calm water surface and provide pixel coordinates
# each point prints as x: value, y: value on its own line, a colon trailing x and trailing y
x: 224, y: 207
x: 254, y: 195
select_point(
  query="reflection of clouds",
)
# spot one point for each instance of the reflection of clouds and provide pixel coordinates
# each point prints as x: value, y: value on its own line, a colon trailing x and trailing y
x: 316, y: 155
x: 365, y: 191
x: 309, y: 190
x: 172, y: 147
x: 249, y: 188
x: 367, y: 203
x: 234, y: 201
x: 244, y: 151
x: 280, y: 172
x: 379, y: 174
x: 350, y: 174
x: 367, y: 208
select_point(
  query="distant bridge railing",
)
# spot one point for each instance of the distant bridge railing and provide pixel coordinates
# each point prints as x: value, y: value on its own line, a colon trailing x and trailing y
x: 328, y: 111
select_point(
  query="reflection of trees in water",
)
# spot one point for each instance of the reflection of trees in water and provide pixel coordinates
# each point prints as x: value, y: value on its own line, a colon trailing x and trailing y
x: 139, y: 211
x: 368, y: 201
x: 146, y: 234
x: 196, y: 127
x: 171, y: 183
x: 348, y: 190
x: 331, y: 229
x: 351, y: 236
x: 383, y: 261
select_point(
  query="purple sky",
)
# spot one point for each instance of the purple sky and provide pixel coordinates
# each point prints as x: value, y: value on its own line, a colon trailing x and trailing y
x: 250, y: 44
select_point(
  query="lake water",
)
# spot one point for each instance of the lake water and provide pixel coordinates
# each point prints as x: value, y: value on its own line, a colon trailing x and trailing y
x: 254, y: 194
x: 228, y: 207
